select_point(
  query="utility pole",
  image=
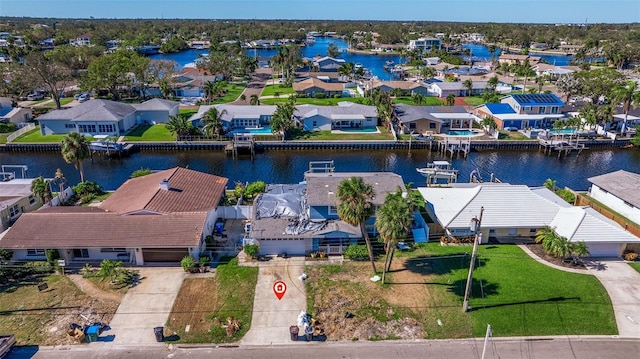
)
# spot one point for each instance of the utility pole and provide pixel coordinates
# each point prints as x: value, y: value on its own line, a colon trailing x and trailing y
x: 475, y: 227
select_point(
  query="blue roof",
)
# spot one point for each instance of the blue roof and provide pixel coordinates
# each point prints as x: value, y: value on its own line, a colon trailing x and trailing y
x: 538, y: 100
x: 499, y: 108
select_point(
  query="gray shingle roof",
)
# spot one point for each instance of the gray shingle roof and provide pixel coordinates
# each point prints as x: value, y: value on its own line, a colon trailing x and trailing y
x: 156, y: 104
x: 322, y: 187
x: 407, y: 113
x: 92, y: 110
x: 622, y: 184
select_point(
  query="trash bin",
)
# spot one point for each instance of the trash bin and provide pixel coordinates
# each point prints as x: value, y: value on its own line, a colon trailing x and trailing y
x: 294, y: 330
x: 159, y: 332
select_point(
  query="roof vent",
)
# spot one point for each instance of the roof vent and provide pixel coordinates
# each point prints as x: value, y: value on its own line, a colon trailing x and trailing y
x: 164, y: 184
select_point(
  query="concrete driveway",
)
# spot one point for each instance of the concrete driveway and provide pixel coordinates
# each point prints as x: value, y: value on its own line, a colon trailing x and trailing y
x: 146, y: 306
x: 272, y: 317
x: 623, y: 285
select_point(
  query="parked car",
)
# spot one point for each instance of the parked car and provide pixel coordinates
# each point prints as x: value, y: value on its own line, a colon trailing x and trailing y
x: 35, y: 96
x: 83, y: 97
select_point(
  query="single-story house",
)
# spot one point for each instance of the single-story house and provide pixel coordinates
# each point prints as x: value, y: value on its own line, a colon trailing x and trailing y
x: 313, y: 86
x: 458, y: 89
x: 16, y: 198
x: 190, y: 82
x: 432, y: 119
x: 345, y: 115
x: 328, y: 64
x: 517, y: 211
x: 237, y: 116
x: 518, y: 59
x: 104, y: 117
x: 10, y: 114
x: 620, y: 191
x: 407, y: 87
x: 299, y: 219
x: 160, y: 217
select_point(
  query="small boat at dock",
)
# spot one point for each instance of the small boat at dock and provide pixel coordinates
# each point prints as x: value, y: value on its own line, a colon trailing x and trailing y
x: 438, y: 170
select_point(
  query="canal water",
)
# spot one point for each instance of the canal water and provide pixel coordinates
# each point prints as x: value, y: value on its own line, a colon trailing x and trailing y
x: 517, y: 167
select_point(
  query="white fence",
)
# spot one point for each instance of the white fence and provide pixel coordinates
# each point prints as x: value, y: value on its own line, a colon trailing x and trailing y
x: 66, y: 194
x: 235, y: 212
x: 20, y: 132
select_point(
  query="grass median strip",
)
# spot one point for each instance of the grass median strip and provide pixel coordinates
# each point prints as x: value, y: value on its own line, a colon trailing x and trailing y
x: 204, y: 304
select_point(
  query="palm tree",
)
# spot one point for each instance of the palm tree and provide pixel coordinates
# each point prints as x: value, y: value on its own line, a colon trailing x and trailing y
x: 60, y: 180
x: 179, y: 126
x: 540, y: 80
x: 209, y: 89
x: 629, y: 95
x: 212, y: 120
x: 492, y: 84
x: 243, y: 98
x: 41, y: 189
x: 282, y: 118
x: 75, y: 149
x: 355, y: 207
x: 451, y: 99
x: 579, y: 250
x: 468, y: 84
x: 393, y: 222
x: 418, y: 99
x: 254, y: 100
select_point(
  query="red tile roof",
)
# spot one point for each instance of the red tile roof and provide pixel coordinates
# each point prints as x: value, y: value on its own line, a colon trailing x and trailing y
x: 98, y: 229
x: 189, y: 191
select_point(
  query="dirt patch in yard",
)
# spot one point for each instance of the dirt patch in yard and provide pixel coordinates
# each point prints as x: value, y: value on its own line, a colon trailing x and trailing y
x: 193, y: 306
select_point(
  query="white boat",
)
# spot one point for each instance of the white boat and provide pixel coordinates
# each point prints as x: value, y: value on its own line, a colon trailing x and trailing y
x: 439, y: 170
x: 104, y: 143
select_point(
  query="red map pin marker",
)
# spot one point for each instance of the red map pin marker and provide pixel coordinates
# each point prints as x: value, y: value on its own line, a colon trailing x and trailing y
x: 279, y: 289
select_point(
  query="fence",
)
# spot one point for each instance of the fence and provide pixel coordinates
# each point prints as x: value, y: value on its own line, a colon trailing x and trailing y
x: 632, y: 227
x: 20, y: 132
x: 235, y: 212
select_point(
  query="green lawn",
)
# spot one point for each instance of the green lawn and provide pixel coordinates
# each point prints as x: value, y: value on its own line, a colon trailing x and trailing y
x: 34, y: 136
x: 474, y: 100
x: 384, y: 134
x: 515, y: 294
x: 428, y: 101
x: 233, y: 92
x: 635, y: 265
x: 63, y: 102
x: 311, y: 101
x: 3, y: 137
x: 157, y: 132
x: 269, y: 90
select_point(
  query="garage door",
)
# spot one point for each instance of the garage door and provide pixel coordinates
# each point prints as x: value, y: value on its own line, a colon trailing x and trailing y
x: 164, y: 254
x: 605, y: 249
x: 275, y: 246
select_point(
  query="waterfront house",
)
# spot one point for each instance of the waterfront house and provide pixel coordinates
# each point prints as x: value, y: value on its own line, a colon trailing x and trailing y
x: 517, y: 212
x: 619, y: 191
x: 299, y: 219
x: 518, y: 59
x: 16, y: 198
x: 313, y: 87
x: 407, y: 87
x: 328, y: 64
x: 237, y: 116
x: 15, y: 115
x: 518, y: 112
x: 104, y: 117
x: 552, y: 71
x: 190, y: 82
x: 161, y: 217
x: 458, y: 89
x: 346, y: 115
x: 425, y: 44
x: 432, y: 119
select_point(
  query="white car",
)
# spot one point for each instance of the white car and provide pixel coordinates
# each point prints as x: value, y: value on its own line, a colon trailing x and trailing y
x: 83, y: 97
x: 35, y: 96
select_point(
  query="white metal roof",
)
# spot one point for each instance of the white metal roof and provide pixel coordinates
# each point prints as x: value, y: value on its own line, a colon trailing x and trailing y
x: 584, y: 224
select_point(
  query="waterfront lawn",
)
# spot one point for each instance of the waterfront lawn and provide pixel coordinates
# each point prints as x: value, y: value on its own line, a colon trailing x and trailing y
x: 384, y: 135
x: 3, y: 137
x: 428, y: 101
x: 269, y: 90
x: 233, y: 92
x: 474, y: 100
x: 513, y: 135
x: 514, y: 293
x: 210, y: 301
x: 635, y: 265
x: 150, y: 133
x: 34, y: 136
x: 311, y: 101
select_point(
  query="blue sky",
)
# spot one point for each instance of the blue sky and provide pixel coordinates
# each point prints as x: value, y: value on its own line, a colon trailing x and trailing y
x: 559, y: 11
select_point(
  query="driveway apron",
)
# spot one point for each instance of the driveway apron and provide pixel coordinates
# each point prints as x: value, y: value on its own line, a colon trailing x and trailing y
x: 146, y: 306
x: 272, y: 317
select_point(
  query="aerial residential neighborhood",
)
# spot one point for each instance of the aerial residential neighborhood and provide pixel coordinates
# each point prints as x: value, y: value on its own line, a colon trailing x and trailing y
x: 187, y: 184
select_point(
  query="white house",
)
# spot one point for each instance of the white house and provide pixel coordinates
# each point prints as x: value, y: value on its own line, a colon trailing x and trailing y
x: 10, y: 114
x: 620, y: 191
x: 425, y: 44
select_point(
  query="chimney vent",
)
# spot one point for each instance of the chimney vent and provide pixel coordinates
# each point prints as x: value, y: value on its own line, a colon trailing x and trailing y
x: 164, y: 184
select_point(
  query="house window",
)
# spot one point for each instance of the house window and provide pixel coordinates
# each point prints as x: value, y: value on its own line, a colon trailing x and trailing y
x: 14, y: 211
x: 69, y: 125
x: 32, y: 200
x: 533, y: 230
x: 87, y: 128
x: 333, y: 210
x: 492, y: 231
x: 113, y: 250
x: 541, y: 110
x: 527, y: 108
x: 81, y: 253
x: 35, y: 252
x: 315, y: 123
x: 432, y: 125
x: 554, y: 109
x: 105, y: 128
x: 412, y: 126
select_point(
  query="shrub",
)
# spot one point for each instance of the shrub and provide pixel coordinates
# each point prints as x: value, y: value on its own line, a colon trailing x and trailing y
x: 255, y: 188
x: 87, y: 187
x: 7, y: 127
x: 567, y: 195
x: 630, y: 256
x: 203, y: 261
x: 52, y: 255
x: 187, y: 263
x: 337, y: 95
x: 109, y: 269
x: 5, y: 255
x: 319, y: 95
x: 357, y: 252
x: 141, y: 172
x: 251, y: 250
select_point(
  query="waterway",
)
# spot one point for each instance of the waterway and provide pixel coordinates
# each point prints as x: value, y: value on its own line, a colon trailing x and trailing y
x: 518, y: 167
x: 375, y: 63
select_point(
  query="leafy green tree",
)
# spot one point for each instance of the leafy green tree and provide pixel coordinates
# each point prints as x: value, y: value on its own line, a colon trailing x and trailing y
x: 550, y: 184
x: 113, y: 70
x: 629, y: 95
x: 418, y: 99
x: 179, y: 126
x: 212, y: 120
x: 451, y: 99
x: 354, y: 207
x: 47, y: 73
x: 282, y: 118
x: 75, y: 149
x: 254, y: 100
x: 41, y: 188
x: 333, y: 50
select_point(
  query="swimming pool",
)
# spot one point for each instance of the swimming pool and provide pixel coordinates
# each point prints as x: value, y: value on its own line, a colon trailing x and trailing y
x: 266, y: 130
x: 564, y: 131
x: 359, y: 130
x: 461, y: 133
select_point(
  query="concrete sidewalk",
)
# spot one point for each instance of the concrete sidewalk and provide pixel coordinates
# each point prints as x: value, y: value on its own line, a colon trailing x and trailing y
x: 272, y: 317
x: 146, y: 306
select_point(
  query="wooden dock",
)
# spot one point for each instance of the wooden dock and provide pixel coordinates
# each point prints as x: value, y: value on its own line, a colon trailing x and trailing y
x: 241, y: 142
x: 451, y: 147
x: 563, y: 147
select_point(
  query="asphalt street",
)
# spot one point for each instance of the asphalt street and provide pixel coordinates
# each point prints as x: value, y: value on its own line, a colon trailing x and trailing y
x: 530, y: 348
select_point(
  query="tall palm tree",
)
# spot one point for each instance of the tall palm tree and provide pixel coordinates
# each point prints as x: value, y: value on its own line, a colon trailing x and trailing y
x: 212, y: 120
x: 540, y: 80
x: 418, y: 99
x: 393, y: 222
x: 209, y: 90
x: 75, y: 149
x: 629, y: 95
x: 355, y: 207
x: 282, y: 118
x: 178, y: 125
x: 492, y: 84
x: 468, y: 84
x: 41, y: 189
x: 451, y: 99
